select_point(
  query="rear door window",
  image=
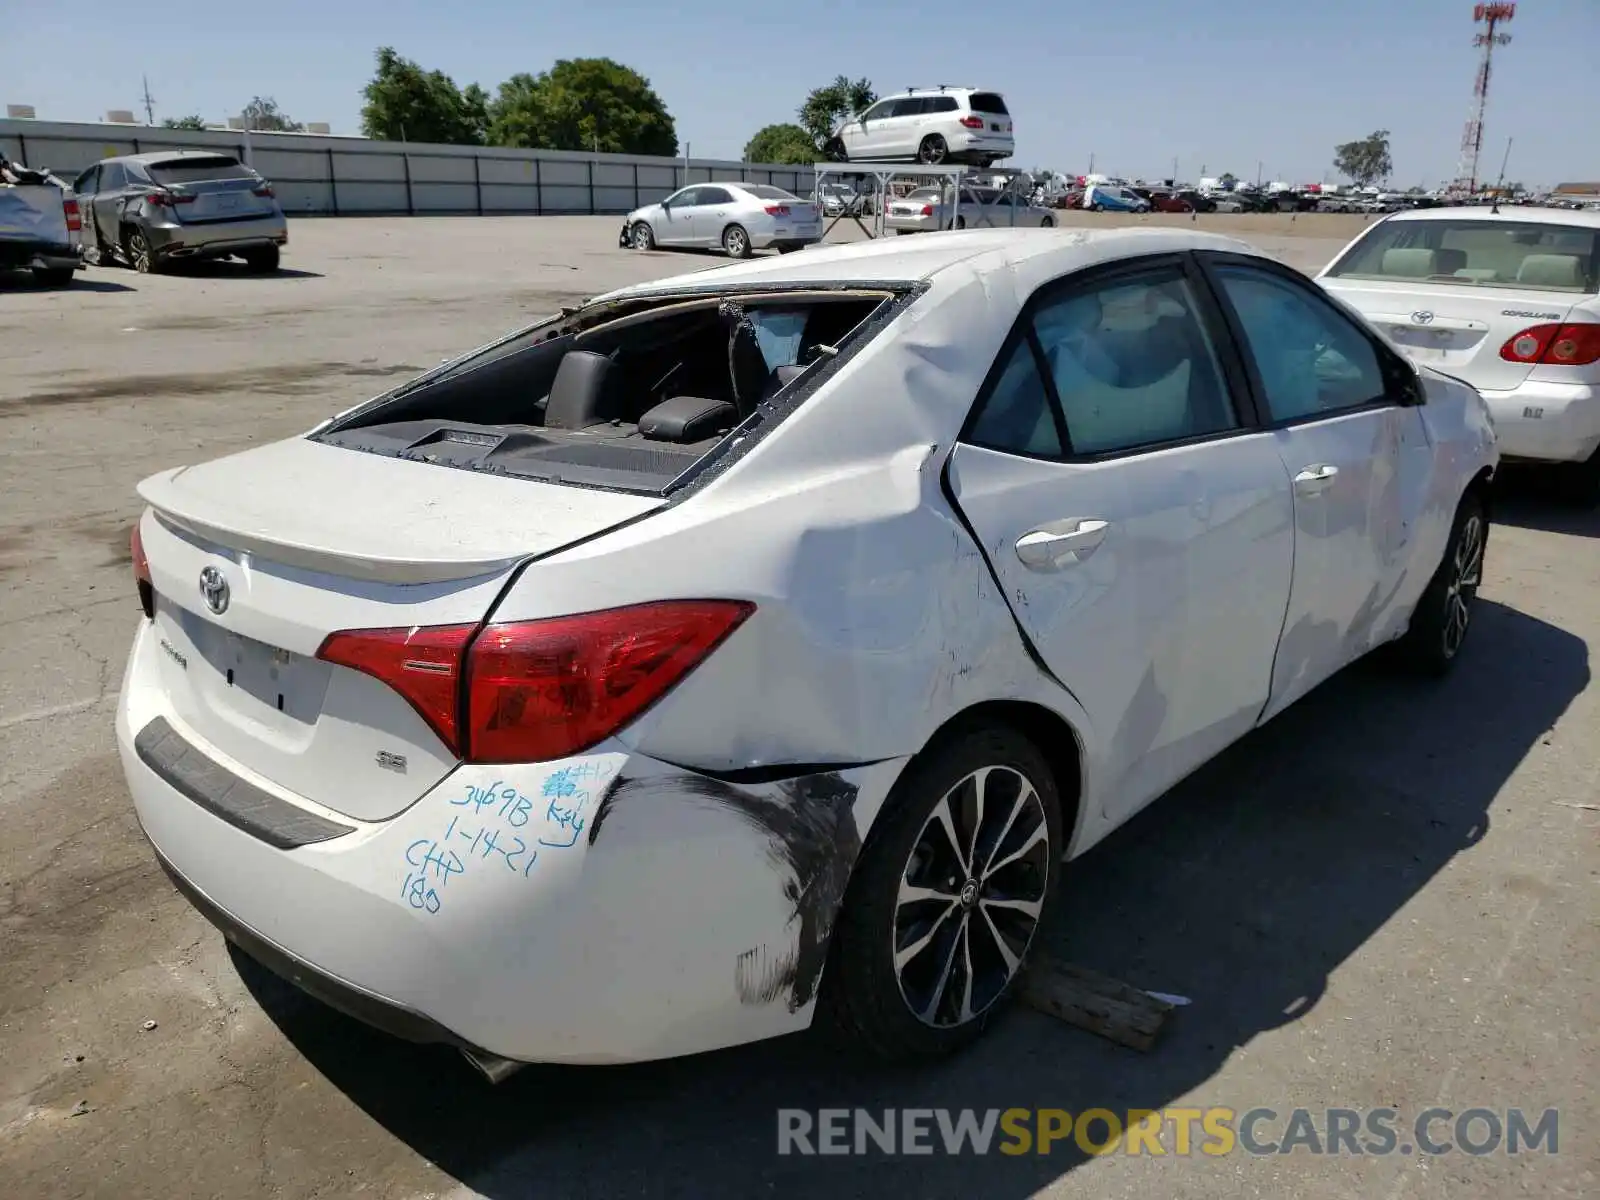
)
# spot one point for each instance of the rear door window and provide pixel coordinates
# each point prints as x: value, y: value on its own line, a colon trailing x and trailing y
x: 200, y: 170
x: 942, y: 104
x: 714, y: 195
x: 85, y: 184
x: 989, y: 102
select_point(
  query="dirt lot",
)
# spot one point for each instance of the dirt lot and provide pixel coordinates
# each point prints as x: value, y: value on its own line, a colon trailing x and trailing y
x: 1386, y: 898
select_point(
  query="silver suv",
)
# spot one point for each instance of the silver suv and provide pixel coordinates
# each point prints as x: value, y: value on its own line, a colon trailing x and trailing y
x: 151, y: 209
x: 928, y: 125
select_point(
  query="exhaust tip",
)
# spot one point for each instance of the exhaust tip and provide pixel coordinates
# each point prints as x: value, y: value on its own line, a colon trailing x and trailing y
x: 491, y: 1066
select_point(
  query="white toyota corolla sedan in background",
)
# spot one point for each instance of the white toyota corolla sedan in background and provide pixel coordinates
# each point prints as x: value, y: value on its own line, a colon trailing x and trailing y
x: 760, y: 642
x: 1505, y: 300
x: 738, y: 218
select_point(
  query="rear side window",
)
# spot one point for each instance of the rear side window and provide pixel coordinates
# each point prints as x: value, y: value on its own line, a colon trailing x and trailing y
x: 938, y: 104
x: 200, y: 170
x: 764, y: 191
x: 989, y: 102
x: 1121, y: 366
x: 1017, y: 416
x: 112, y: 177
x: 1514, y: 254
x: 1132, y: 365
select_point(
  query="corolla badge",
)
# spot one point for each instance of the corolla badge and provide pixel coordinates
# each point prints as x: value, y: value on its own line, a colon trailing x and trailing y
x: 214, y: 590
x: 1422, y: 317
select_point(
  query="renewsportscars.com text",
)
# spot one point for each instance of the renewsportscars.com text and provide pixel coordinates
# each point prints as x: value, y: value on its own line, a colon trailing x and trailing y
x: 1173, y: 1131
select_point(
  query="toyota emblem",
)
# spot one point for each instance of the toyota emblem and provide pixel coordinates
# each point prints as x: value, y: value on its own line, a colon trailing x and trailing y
x: 1423, y: 317
x: 214, y: 590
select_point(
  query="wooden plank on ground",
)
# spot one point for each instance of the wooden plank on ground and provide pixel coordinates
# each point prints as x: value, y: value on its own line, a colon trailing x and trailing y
x: 1095, y: 1002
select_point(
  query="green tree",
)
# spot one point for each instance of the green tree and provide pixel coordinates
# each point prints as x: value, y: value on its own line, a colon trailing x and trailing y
x: 583, y: 104
x: 183, y: 123
x: 406, y: 103
x: 1365, y: 161
x: 781, y: 144
x: 263, y: 113
x: 844, y: 97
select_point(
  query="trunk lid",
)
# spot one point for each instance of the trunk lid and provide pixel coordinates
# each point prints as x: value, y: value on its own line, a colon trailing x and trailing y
x: 1459, y: 330
x: 310, y: 539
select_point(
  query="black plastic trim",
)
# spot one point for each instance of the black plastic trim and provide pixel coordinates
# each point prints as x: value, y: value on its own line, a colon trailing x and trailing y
x: 224, y: 795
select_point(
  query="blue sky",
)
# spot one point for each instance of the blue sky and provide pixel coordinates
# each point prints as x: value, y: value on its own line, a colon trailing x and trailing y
x: 1133, y: 82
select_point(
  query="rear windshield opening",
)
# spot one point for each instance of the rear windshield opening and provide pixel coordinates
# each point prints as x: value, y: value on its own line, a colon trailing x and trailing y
x: 1511, y: 254
x: 200, y: 170
x: 989, y: 102
x: 628, y: 397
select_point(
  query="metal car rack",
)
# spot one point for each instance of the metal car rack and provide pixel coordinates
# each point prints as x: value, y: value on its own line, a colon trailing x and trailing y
x: 955, y: 180
x: 883, y: 175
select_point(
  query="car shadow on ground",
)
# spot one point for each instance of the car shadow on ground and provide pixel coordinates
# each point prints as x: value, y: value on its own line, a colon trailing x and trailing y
x: 1243, y: 888
x: 22, y: 281
x: 223, y: 268
x: 1529, y: 498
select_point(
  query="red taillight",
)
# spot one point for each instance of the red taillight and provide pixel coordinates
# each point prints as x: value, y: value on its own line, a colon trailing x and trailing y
x: 264, y: 190
x: 168, y: 199
x: 1554, y: 345
x: 536, y: 690
x: 777, y: 210
x: 539, y: 690
x: 422, y: 663
x: 69, y: 206
x: 972, y: 122
x: 141, y: 573
x: 927, y: 210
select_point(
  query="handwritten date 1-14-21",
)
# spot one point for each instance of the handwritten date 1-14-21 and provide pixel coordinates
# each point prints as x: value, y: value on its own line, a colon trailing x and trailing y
x: 489, y: 831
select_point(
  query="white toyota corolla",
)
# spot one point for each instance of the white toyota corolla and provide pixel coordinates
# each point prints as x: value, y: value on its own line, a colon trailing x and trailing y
x: 1506, y: 300
x: 760, y: 643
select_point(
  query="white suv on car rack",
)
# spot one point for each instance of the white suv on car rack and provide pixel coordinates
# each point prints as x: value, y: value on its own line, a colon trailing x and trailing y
x: 928, y: 125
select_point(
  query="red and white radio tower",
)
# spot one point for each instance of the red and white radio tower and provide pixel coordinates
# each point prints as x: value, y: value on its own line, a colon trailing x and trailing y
x: 1491, y: 17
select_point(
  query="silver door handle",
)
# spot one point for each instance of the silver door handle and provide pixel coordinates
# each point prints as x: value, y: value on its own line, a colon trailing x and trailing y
x: 1061, y: 543
x: 1315, y: 479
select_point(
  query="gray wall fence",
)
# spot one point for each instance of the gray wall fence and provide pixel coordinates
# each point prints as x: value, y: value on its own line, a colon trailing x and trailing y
x: 342, y: 176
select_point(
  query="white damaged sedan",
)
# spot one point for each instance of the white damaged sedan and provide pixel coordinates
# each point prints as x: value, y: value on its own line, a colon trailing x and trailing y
x: 758, y: 644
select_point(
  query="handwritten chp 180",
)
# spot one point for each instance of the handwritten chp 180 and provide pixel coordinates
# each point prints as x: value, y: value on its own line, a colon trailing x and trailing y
x: 503, y: 829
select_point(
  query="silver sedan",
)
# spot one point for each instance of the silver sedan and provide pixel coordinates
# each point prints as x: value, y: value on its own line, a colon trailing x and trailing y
x: 928, y: 209
x: 738, y: 217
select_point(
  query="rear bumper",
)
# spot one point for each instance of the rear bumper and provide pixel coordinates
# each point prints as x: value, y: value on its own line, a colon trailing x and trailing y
x: 606, y: 908
x: 1546, y: 422
x: 982, y: 144
x: 785, y: 235
x: 19, y: 253
x: 217, y: 238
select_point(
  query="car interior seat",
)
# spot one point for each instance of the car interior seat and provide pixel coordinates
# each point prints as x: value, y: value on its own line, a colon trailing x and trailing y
x: 747, y: 365
x: 1551, y: 270
x: 1410, y: 262
x: 584, y: 391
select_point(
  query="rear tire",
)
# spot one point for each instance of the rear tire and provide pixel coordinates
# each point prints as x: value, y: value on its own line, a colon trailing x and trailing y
x: 264, y: 261
x: 933, y: 938
x: 1048, y: 223
x: 1443, y: 615
x: 53, y: 276
x: 933, y: 150
x: 736, y: 241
